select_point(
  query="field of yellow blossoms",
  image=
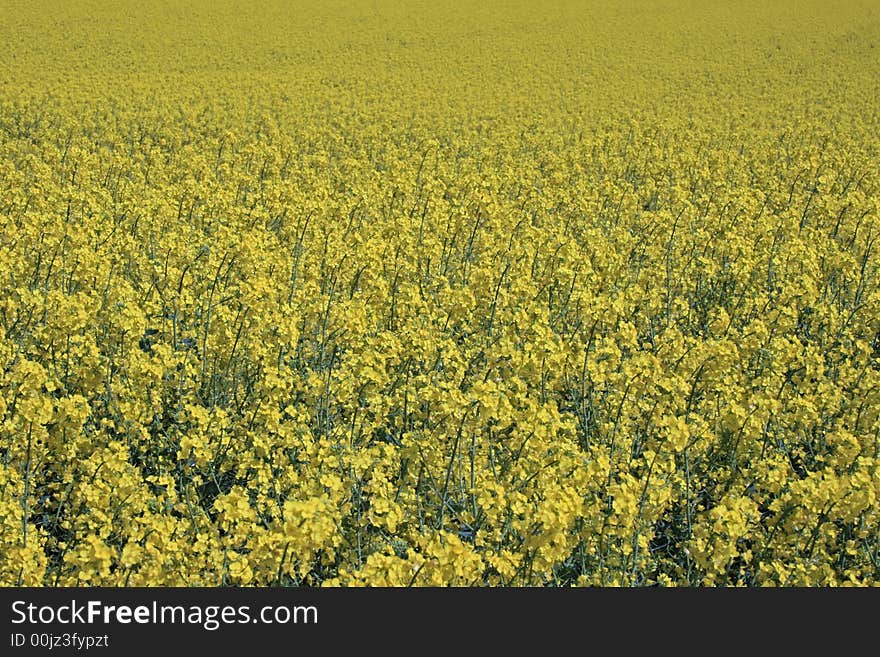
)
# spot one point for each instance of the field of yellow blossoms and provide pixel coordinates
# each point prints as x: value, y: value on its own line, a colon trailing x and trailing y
x: 452, y: 293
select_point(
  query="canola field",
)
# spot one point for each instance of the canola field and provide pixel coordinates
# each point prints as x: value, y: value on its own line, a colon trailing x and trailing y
x: 387, y: 293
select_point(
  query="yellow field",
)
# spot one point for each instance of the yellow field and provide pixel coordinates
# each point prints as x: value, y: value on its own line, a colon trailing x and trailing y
x: 440, y: 293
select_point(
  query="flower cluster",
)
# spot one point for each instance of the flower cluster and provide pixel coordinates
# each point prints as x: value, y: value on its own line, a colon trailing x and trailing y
x: 554, y: 293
